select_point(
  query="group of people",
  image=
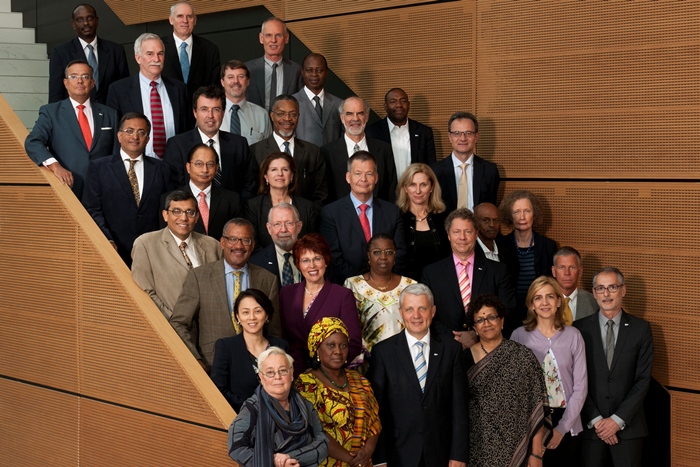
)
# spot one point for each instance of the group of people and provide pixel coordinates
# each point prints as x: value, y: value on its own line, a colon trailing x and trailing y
x: 351, y: 296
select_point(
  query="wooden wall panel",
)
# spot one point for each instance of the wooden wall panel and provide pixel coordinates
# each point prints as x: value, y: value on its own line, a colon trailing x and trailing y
x: 685, y: 413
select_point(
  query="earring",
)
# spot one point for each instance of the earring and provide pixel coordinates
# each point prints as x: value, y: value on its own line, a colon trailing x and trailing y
x: 238, y: 322
x: 318, y: 359
x: 267, y: 320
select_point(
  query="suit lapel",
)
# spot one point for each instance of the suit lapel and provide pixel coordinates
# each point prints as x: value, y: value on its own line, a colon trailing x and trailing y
x: 122, y: 178
x: 286, y: 76
x: 135, y: 94
x: 329, y: 108
x: 354, y: 218
x: 450, y: 277
x: 197, y: 53
x: 414, y: 137
x: 478, y: 273
x: 105, y: 58
x: 436, y: 351
x: 72, y: 121
x: 217, y: 279
x: 477, y: 177
x: 622, y: 335
x: 174, y: 249
x: 318, y: 305
x: 403, y: 356
x: 214, y: 202
x: 372, y: 148
x: 97, y: 120
x: 299, y: 155
x: 174, y: 102
x: 149, y: 172
x: 172, y: 57
x: 598, y: 345
x: 226, y: 161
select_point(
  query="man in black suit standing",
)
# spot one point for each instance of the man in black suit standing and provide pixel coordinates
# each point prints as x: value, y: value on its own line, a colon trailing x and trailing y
x: 189, y: 58
x: 465, y: 178
x: 107, y: 58
x: 420, y: 384
x: 464, y: 274
x: 354, y: 113
x: 410, y: 140
x: 235, y: 172
x: 619, y: 355
x: 350, y: 222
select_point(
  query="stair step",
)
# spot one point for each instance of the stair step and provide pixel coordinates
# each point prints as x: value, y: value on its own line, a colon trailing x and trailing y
x: 17, y: 36
x: 19, y: 51
x: 11, y: 20
x: 23, y: 101
x: 24, y: 85
x: 36, y: 68
x: 6, y: 6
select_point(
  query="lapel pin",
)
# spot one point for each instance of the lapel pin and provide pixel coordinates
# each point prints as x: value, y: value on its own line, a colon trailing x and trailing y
x: 627, y: 324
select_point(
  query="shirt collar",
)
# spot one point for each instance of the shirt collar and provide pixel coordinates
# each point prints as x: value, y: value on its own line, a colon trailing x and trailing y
x: 126, y: 157
x: 196, y: 191
x: 457, y: 162
x: 391, y: 124
x: 574, y: 294
x: 228, y: 268
x: 351, y: 143
x: 485, y: 248
x: 281, y: 141
x: 205, y: 138
x: 356, y: 202
x: 147, y: 82
x: 84, y: 44
x: 270, y: 62
x: 310, y: 94
x: 179, y: 41
x: 602, y: 319
x: 457, y: 261
x: 75, y: 103
x: 178, y: 241
x: 412, y: 340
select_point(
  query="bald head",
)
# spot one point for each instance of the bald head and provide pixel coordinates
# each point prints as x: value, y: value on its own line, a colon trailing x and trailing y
x: 487, y: 222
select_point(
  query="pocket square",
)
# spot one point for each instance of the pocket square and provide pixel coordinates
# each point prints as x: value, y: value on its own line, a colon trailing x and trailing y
x: 106, y: 128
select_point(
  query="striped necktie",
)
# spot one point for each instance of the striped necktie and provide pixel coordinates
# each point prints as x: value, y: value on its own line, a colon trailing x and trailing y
x: 420, y: 365
x: 465, y: 286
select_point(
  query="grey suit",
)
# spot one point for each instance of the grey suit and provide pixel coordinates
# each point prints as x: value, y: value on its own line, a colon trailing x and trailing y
x: 204, y: 301
x: 291, y: 81
x: 310, y: 127
x: 585, y: 304
x: 160, y: 269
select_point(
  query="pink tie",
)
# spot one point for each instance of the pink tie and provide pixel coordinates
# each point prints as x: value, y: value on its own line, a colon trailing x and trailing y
x: 84, y: 126
x: 204, y: 211
x: 157, y: 121
x: 465, y: 287
x: 364, y: 221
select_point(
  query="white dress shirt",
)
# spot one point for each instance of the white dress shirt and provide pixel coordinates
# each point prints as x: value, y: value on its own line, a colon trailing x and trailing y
x: 188, y: 49
x: 207, y: 193
x: 470, y: 177
x: 138, y: 169
x: 191, y: 252
x: 413, y: 348
x: 400, y: 145
x: 350, y: 144
x: 280, y: 143
x: 168, y: 117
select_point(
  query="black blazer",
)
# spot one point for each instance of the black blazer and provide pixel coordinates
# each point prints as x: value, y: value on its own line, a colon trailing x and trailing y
x: 340, y: 225
x: 484, y: 187
x: 266, y: 258
x: 489, y: 277
x: 236, y: 163
x: 232, y: 370
x: 291, y: 82
x: 336, y: 156
x: 204, y: 66
x: 619, y: 390
x: 256, y: 211
x: 111, y: 61
x: 433, y: 425
x: 415, y: 258
x: 421, y: 137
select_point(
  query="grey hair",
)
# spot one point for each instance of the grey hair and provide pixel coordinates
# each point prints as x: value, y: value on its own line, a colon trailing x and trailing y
x: 342, y: 105
x: 273, y: 18
x: 270, y: 352
x: 417, y: 289
x: 146, y: 36
x: 608, y: 269
x: 172, y: 8
x: 567, y: 251
x: 283, y: 206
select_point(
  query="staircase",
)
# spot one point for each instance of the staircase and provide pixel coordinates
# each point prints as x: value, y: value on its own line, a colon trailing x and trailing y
x: 24, y: 66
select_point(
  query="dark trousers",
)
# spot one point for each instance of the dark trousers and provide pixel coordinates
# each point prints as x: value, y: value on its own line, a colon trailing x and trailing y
x: 626, y: 453
x: 568, y: 453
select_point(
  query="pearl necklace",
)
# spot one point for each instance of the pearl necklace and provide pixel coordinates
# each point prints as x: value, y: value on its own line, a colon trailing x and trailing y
x: 312, y: 294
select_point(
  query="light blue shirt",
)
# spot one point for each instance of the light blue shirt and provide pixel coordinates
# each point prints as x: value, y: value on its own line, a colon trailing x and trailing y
x: 168, y: 117
x: 356, y: 202
x: 230, y: 278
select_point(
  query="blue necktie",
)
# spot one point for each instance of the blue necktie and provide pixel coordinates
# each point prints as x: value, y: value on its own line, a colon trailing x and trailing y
x: 92, y: 61
x: 421, y: 367
x: 287, y: 275
x: 184, y: 62
x: 235, y: 121
x: 286, y: 147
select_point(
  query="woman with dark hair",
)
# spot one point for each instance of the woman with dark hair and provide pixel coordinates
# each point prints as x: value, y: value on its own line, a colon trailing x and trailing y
x: 302, y: 304
x: 278, y: 183
x: 235, y: 366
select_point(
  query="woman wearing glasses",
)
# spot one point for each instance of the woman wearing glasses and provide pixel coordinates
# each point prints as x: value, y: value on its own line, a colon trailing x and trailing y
x: 303, y: 304
x: 508, y: 411
x: 276, y: 426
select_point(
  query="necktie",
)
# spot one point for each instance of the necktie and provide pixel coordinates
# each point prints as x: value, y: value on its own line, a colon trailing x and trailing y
x: 286, y: 147
x: 84, y: 126
x: 218, y: 177
x: 92, y: 61
x: 465, y: 287
x: 609, y: 342
x: 355, y: 148
x: 568, y: 315
x: 184, y: 62
x: 157, y: 121
x: 463, y: 188
x: 287, y: 275
x: 364, y: 221
x: 236, y: 292
x: 204, y: 211
x: 421, y: 367
x: 235, y: 121
x: 319, y: 109
x: 183, y: 249
x: 273, y: 85
x: 133, y: 181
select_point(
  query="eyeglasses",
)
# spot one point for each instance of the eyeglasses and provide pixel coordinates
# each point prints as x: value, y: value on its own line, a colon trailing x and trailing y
x: 291, y: 115
x: 177, y: 212
x: 490, y: 318
x: 612, y: 288
x: 389, y: 253
x: 289, y: 225
x: 79, y: 77
x: 131, y: 131
x: 200, y: 164
x: 235, y: 240
x: 270, y: 374
x: 457, y: 134
x: 308, y: 261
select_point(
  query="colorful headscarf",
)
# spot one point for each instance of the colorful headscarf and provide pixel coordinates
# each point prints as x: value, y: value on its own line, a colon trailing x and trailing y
x: 322, y: 330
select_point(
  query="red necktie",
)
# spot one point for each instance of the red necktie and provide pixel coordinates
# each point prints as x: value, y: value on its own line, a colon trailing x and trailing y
x: 204, y: 211
x: 157, y: 121
x: 84, y: 126
x: 364, y: 221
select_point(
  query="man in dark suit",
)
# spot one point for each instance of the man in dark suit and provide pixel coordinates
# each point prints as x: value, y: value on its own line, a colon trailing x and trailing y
x: 283, y: 225
x: 410, y: 140
x: 235, y: 172
x: 69, y: 133
x: 122, y: 192
x: 354, y: 113
x: 488, y: 225
x: 205, y: 306
x: 420, y: 384
x: 349, y: 223
x: 200, y: 61
x: 465, y: 178
x: 163, y: 100
x: 286, y: 78
x: 311, y: 167
x: 619, y: 356
x: 464, y: 274
x: 567, y: 270
x: 319, y: 122
x: 107, y: 58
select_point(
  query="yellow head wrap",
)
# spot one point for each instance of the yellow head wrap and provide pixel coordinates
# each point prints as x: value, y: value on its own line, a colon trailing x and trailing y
x: 322, y: 330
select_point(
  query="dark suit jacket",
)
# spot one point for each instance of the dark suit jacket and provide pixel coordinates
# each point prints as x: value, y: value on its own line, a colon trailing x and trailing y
x: 484, y: 187
x: 291, y: 82
x: 257, y: 209
x: 311, y: 167
x: 336, y: 156
x: 267, y: 259
x: 420, y: 256
x: 125, y: 96
x: 57, y: 134
x: 340, y: 225
x: 236, y: 163
x: 432, y: 425
x: 110, y: 200
x: 619, y: 390
x: 489, y: 277
x: 333, y: 300
x: 422, y: 140
x: 111, y: 64
x: 310, y: 127
x: 232, y: 370
x: 204, y: 66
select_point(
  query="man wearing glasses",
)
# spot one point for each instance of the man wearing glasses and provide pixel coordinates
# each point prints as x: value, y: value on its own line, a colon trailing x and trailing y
x: 619, y: 354
x: 203, y: 313
x: 283, y: 225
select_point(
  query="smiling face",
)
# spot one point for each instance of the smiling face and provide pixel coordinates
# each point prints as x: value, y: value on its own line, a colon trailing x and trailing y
x: 489, y: 329
x: 278, y: 174
x: 283, y: 227
x: 362, y: 179
x: 417, y: 314
x: 151, y: 58
x: 397, y: 106
x: 333, y: 351
x: 85, y: 22
x: 314, y: 72
x: 183, y: 20
x: 354, y: 116
x: 209, y: 115
x: 235, y: 82
x: 237, y: 254
x: 133, y: 144
x: 285, y: 117
x: 277, y: 386
x: 546, y: 302
x: 181, y: 226
x: 463, y: 145
x: 382, y: 263
x: 313, y: 267
x: 251, y: 315
x: 273, y: 38
x: 462, y: 236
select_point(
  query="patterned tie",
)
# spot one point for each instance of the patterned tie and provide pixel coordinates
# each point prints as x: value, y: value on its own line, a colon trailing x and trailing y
x: 609, y: 342
x: 364, y: 221
x: 184, y: 62
x: 183, y: 249
x: 92, y: 61
x: 319, y: 109
x: 218, y: 177
x: 286, y: 147
x: 287, y: 275
x: 420, y: 365
x: 84, y: 126
x: 235, y: 120
x: 568, y: 315
x: 465, y: 287
x: 463, y: 188
x: 157, y: 121
x: 236, y: 292
x: 204, y: 211
x: 355, y: 148
x: 273, y: 85
x: 134, y: 182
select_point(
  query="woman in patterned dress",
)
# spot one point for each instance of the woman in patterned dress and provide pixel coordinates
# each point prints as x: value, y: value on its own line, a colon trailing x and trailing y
x: 562, y: 354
